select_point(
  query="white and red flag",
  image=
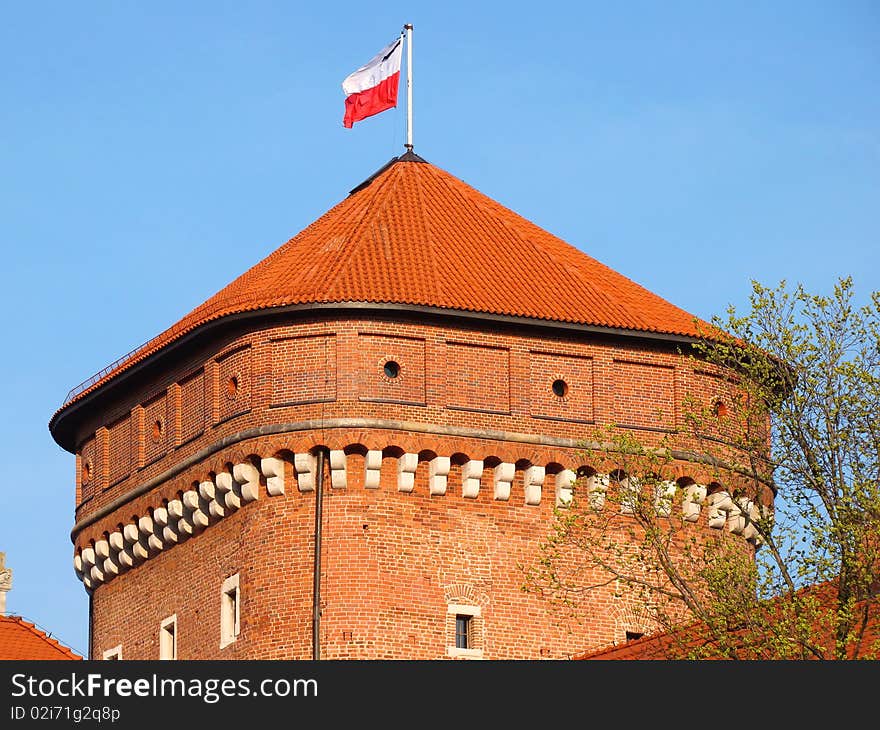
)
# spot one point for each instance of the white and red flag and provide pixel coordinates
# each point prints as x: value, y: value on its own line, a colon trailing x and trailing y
x: 373, y: 87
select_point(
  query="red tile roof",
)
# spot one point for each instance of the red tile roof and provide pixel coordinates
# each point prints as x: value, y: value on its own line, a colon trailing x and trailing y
x: 691, y: 639
x: 20, y: 639
x: 657, y: 646
x: 413, y: 234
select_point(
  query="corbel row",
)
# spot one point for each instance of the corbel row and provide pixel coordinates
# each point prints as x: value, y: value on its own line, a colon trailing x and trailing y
x: 212, y: 500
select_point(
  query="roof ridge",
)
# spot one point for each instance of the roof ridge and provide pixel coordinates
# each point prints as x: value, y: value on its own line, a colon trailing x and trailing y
x: 437, y: 283
x: 377, y: 184
x: 449, y: 180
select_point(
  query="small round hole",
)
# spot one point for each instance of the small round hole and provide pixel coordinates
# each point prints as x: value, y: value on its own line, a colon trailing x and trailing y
x: 391, y: 369
x: 560, y: 388
x: 232, y: 386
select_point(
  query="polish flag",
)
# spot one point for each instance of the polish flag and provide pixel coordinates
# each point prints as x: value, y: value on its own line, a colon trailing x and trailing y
x: 373, y: 87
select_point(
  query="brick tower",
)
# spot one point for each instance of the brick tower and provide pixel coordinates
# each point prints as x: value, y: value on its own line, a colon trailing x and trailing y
x: 347, y: 451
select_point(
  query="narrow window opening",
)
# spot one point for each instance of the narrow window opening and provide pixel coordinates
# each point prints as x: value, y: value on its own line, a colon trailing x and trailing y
x: 168, y: 638
x: 633, y: 635
x: 230, y: 600
x: 463, y: 631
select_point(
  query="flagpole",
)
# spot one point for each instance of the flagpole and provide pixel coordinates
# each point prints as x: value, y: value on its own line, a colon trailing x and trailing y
x: 409, y: 112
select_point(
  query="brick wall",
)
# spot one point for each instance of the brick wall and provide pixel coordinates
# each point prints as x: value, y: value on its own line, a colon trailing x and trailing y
x: 393, y: 561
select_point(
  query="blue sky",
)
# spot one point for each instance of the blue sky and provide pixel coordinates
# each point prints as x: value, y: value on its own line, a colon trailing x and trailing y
x: 152, y: 151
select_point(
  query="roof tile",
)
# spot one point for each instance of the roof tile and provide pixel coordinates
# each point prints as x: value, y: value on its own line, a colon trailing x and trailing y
x: 20, y: 639
x: 415, y: 234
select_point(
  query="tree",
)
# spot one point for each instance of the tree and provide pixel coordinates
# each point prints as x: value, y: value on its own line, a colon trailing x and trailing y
x: 790, y: 457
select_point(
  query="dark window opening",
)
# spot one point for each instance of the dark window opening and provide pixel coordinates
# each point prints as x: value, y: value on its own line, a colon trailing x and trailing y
x: 633, y: 635
x: 392, y: 369
x: 462, y: 632
x: 560, y: 388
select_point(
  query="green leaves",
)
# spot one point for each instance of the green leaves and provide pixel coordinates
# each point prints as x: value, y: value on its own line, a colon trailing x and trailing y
x: 798, y: 436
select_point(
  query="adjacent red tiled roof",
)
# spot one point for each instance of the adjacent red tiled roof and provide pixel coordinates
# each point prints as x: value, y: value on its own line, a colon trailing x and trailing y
x: 693, y: 637
x: 413, y: 234
x: 657, y: 646
x: 20, y: 639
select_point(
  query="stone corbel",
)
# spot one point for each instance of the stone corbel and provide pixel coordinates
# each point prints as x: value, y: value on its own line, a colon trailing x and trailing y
x: 438, y: 472
x: 406, y: 472
x: 502, y: 479
x: 720, y: 504
x: 130, y: 536
x: 565, y: 487
x: 305, y: 466
x: 180, y: 518
x: 373, y: 469
x: 629, y: 495
x: 116, y: 541
x: 338, y: 474
x: 115, y: 563
x: 97, y: 573
x: 664, y: 497
x: 533, y: 478
x: 102, y: 551
x: 196, y: 510
x: 163, y: 526
x: 751, y: 532
x: 111, y: 567
x: 471, y: 472
x: 694, y: 496
x: 148, y: 533
x: 597, y: 488
x: 228, y: 493
x: 136, y: 548
x: 88, y: 560
x: 737, y: 518
x: 247, y: 477
x: 275, y: 471
x: 211, y: 495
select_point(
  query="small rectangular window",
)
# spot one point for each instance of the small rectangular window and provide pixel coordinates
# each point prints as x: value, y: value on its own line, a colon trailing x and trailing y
x: 230, y: 608
x: 462, y: 631
x: 633, y: 635
x: 168, y: 638
x: 113, y: 654
x: 464, y: 626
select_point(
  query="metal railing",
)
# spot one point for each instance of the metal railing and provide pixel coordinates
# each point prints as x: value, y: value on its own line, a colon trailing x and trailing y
x: 88, y: 383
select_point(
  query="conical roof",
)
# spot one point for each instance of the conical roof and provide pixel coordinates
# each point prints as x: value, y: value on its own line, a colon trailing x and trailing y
x: 413, y: 234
